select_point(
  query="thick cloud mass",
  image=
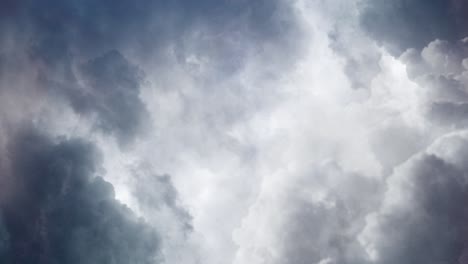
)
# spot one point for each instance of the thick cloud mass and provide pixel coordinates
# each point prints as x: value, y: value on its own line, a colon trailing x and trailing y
x: 113, y: 95
x: 59, y: 211
x: 440, y: 68
x: 82, y: 69
x: 57, y: 31
x: 233, y: 131
x: 423, y: 217
x: 404, y: 24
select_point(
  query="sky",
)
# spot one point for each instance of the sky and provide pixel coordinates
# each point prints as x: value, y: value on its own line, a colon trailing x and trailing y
x: 233, y: 131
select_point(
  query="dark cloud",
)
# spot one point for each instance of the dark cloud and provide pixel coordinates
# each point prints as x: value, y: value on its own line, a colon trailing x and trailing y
x: 427, y: 224
x: 57, y: 29
x: 111, y: 93
x: 4, y: 240
x: 404, y: 24
x: 86, y: 56
x: 106, y: 90
x: 53, y: 39
x: 59, y: 211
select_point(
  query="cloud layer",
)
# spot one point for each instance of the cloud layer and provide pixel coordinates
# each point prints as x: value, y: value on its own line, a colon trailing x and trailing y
x: 290, y: 132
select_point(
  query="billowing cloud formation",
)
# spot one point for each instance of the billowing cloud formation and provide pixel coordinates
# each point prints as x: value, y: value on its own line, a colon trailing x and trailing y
x: 82, y: 69
x: 441, y: 69
x: 57, y: 210
x: 423, y: 216
x: 413, y: 113
x: 254, y: 132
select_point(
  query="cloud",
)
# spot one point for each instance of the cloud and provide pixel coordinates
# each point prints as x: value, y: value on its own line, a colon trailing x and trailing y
x: 423, y: 216
x: 288, y: 226
x: 255, y: 110
x: 57, y: 47
x: 440, y: 69
x: 56, y: 32
x: 111, y: 92
x: 85, y: 70
x: 58, y: 210
x: 399, y: 25
x: 325, y: 229
x: 349, y: 41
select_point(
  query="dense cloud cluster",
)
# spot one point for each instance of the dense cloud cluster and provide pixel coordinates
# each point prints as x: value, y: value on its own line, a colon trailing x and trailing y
x: 58, y: 210
x: 58, y: 32
x: 403, y: 24
x: 441, y: 69
x: 77, y: 69
x: 412, y: 208
x: 294, y: 132
x: 423, y: 216
x: 112, y: 95
x: 416, y: 213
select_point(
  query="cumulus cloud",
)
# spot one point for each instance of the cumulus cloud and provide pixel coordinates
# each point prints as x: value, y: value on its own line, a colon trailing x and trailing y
x: 440, y: 69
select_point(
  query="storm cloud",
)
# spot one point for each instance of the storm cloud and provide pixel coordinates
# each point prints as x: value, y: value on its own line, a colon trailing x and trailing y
x: 85, y: 64
x: 423, y: 217
x: 244, y: 132
x: 400, y: 25
x: 58, y: 210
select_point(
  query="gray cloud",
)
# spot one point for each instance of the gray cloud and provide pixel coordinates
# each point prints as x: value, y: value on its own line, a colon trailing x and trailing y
x: 325, y: 230
x: 361, y: 59
x: 111, y: 92
x: 440, y: 68
x: 54, y: 38
x: 87, y: 60
x: 423, y: 218
x: 57, y: 31
x: 157, y: 192
x: 400, y: 24
x: 449, y: 114
x: 206, y: 58
x: 57, y: 210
